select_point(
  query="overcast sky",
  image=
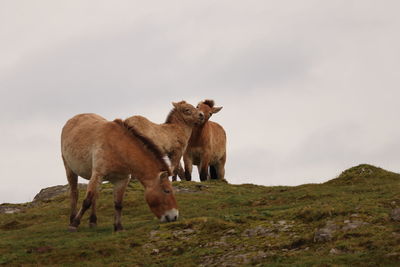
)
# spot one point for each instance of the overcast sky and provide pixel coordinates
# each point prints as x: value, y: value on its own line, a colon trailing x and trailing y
x: 308, y: 88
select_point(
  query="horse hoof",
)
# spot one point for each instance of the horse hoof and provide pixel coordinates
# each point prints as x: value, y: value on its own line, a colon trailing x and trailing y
x: 72, y: 229
x: 92, y: 225
x: 118, y: 228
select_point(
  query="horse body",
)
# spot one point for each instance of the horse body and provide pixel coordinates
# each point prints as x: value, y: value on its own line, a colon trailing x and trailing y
x: 207, y: 146
x: 173, y: 135
x: 97, y: 150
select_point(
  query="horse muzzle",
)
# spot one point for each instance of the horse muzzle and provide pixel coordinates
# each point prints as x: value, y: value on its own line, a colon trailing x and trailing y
x: 170, y: 216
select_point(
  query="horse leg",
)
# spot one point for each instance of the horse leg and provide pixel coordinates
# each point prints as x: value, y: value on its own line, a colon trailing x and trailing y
x: 119, y: 190
x: 188, y: 167
x: 175, y: 158
x: 73, y: 191
x: 220, y: 171
x: 213, y: 172
x: 203, y: 169
x: 93, y: 217
x: 181, y: 172
x: 91, y: 195
x: 221, y: 168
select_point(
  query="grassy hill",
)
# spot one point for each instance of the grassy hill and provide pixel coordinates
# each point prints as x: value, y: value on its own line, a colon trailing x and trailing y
x: 345, y: 221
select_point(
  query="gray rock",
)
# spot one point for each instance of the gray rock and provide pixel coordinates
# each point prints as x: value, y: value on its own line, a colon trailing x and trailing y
x: 231, y: 232
x: 154, y: 234
x: 48, y: 193
x: 335, y: 251
x: 183, y: 234
x: 257, y: 231
x: 326, y: 233
x: 183, y: 190
x: 395, y: 215
x: 350, y: 225
x: 9, y: 209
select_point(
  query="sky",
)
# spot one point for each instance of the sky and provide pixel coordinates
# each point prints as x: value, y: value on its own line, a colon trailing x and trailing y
x: 308, y: 88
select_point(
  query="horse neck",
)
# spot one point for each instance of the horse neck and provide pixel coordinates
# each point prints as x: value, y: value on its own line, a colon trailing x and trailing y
x: 197, y: 132
x: 177, y: 122
x: 148, y: 179
x: 142, y: 163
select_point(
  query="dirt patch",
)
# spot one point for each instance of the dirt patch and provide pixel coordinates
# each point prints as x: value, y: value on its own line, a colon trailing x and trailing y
x: 13, y: 225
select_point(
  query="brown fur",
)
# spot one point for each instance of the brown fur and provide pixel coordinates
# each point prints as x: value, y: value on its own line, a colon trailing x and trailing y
x: 173, y: 135
x: 97, y: 150
x: 146, y: 142
x: 207, y: 146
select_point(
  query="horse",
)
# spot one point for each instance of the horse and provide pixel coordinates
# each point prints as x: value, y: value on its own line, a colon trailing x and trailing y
x: 96, y: 149
x: 206, y: 146
x: 172, y: 136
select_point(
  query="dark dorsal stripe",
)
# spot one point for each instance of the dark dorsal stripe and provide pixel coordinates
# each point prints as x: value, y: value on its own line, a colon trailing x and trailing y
x: 147, y: 143
x: 171, y: 114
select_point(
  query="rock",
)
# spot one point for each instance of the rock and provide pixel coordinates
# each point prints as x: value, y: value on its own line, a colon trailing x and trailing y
x: 155, y: 251
x: 202, y: 186
x: 350, y: 225
x: 217, y: 244
x: 393, y: 255
x: 9, y: 209
x: 154, y: 234
x: 326, y: 233
x: 231, y: 232
x: 257, y: 231
x: 183, y: 234
x: 335, y: 251
x: 48, y: 193
x: 183, y: 190
x: 396, y: 235
x: 395, y: 215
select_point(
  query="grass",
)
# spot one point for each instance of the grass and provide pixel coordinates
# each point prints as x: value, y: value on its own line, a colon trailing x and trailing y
x: 220, y: 224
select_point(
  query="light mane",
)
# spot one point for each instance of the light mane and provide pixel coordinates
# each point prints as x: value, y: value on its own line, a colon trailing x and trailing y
x: 147, y: 143
x: 171, y: 114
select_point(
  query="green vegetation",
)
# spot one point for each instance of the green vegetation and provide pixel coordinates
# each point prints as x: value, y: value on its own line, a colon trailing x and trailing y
x: 346, y: 221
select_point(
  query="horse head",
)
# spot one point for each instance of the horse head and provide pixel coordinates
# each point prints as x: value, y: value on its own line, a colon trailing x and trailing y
x: 188, y: 113
x: 207, y: 108
x: 161, y: 200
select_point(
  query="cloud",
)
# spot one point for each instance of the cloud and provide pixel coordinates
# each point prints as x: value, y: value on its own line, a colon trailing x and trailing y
x: 308, y: 88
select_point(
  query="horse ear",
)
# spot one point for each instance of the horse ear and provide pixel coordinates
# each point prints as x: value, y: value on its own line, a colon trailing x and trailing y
x: 216, y: 109
x: 175, y: 104
x: 164, y: 175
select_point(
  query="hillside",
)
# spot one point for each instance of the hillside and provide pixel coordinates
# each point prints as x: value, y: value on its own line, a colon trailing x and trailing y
x: 353, y: 219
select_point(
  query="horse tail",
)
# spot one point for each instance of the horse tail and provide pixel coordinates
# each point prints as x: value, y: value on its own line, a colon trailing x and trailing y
x: 213, y: 172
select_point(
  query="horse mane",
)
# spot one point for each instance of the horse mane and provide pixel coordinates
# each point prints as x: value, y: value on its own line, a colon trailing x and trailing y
x: 170, y: 115
x: 147, y: 143
x: 209, y: 102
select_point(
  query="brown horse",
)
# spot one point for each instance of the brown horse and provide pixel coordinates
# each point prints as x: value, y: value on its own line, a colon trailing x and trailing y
x: 172, y: 136
x: 207, y: 146
x: 97, y: 150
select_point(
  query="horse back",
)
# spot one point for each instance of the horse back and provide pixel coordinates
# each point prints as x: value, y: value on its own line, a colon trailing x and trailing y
x: 89, y: 141
x: 216, y: 134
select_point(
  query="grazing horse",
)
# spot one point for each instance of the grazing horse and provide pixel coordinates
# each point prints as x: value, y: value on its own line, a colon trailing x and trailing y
x: 172, y: 136
x: 97, y: 150
x: 207, y: 146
